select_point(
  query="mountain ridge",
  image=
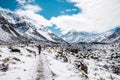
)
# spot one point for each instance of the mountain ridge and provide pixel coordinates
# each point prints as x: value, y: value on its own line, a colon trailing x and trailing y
x: 105, y: 37
x: 15, y: 28
x: 23, y: 29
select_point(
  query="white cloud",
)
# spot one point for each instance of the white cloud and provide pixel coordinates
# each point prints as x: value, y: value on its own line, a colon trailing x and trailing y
x: 70, y: 10
x: 31, y: 0
x: 31, y: 12
x: 96, y: 16
x: 33, y: 8
x: 22, y: 2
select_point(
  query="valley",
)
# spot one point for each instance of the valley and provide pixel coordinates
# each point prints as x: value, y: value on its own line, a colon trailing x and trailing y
x: 29, y: 51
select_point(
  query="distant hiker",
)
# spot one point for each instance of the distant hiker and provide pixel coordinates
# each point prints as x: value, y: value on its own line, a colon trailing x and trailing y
x: 39, y: 49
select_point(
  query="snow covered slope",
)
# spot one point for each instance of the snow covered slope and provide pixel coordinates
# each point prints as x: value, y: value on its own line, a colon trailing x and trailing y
x: 15, y: 27
x: 7, y: 32
x: 114, y: 37
x: 102, y: 36
x: 74, y: 37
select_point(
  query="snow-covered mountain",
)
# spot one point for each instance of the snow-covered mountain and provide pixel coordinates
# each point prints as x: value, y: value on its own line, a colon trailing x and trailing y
x: 114, y: 37
x: 102, y: 36
x: 110, y: 36
x: 74, y: 36
x: 17, y: 28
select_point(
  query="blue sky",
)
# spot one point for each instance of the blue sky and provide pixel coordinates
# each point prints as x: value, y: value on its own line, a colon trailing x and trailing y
x: 50, y: 8
x: 62, y: 16
x: 55, y: 8
x: 12, y: 5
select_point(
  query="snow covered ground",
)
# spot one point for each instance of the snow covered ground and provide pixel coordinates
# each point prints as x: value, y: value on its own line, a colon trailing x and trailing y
x: 30, y: 66
x: 24, y: 63
x: 60, y: 70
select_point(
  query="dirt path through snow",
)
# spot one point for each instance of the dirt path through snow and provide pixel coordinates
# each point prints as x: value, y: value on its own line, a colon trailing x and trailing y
x: 43, y: 71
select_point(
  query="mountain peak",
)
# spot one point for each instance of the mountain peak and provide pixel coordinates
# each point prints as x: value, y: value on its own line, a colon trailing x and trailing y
x: 15, y: 28
x: 75, y: 36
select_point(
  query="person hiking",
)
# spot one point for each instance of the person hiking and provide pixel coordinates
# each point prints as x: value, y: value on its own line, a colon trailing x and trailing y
x: 39, y: 49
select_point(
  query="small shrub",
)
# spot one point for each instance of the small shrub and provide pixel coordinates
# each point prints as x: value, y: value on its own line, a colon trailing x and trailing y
x: 5, y: 60
x: 4, y: 67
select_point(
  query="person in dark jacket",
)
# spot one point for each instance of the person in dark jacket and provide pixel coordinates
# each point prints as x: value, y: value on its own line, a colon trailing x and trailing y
x: 39, y: 49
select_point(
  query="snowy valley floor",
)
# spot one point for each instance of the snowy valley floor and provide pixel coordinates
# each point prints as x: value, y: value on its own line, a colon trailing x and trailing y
x: 24, y: 63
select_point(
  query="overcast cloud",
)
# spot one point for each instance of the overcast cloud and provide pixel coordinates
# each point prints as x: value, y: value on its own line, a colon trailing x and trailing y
x: 96, y: 16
